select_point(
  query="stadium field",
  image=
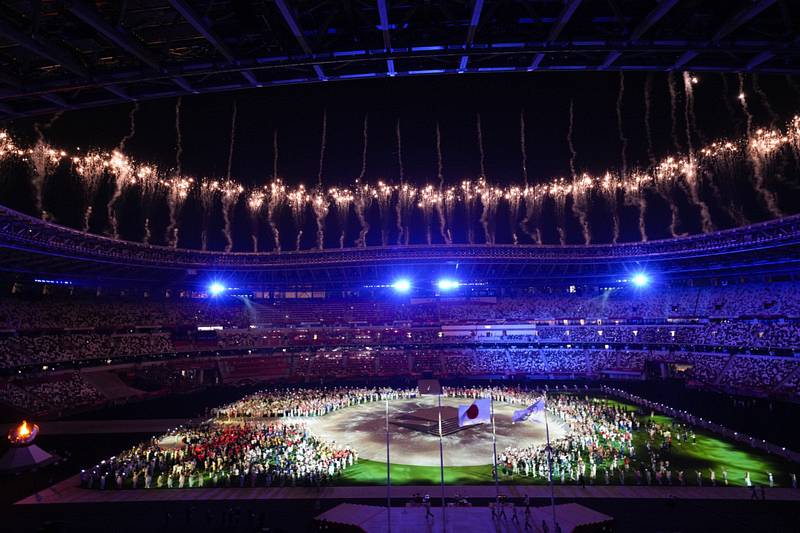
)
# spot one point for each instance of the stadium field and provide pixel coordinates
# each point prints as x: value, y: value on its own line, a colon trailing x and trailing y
x: 708, y: 452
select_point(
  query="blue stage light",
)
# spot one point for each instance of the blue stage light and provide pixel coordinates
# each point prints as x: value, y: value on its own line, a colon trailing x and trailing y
x: 447, y: 284
x: 402, y: 285
x: 216, y: 288
x: 640, y: 280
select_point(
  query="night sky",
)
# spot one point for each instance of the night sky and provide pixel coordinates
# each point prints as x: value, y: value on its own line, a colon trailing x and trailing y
x: 418, y: 103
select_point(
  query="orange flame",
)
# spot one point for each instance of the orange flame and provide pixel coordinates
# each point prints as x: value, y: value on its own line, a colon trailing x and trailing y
x: 23, y: 431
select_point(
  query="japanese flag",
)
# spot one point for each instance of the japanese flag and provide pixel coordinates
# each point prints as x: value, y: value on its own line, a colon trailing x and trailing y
x: 477, y: 413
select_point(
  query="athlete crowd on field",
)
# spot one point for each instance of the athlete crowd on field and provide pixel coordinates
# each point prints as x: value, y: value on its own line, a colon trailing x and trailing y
x: 257, y: 441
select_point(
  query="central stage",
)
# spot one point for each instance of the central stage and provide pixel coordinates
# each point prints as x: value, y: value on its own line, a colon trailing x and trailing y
x: 414, y: 432
x: 371, y: 519
x: 426, y: 420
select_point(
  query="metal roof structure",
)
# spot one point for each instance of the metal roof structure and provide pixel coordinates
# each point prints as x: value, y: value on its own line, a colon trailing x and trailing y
x: 73, y: 54
x: 31, y: 247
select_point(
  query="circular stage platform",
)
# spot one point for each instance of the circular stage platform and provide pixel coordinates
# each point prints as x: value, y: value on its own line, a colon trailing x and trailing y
x: 363, y: 427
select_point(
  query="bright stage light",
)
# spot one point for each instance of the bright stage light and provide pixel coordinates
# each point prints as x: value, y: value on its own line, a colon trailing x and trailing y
x: 640, y: 280
x: 216, y: 288
x: 447, y: 284
x: 402, y: 285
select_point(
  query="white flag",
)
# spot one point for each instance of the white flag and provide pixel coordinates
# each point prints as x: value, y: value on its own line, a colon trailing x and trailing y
x: 479, y: 412
x: 533, y: 412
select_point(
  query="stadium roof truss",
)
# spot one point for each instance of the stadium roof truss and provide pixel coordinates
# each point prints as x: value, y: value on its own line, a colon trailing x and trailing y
x: 72, y: 54
x: 30, y: 247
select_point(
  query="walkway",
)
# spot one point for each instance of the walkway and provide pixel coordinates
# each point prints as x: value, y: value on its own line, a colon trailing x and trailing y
x: 103, y: 427
x: 69, y: 491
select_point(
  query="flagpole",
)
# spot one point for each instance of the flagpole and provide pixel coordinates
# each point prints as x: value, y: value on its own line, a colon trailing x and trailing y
x: 441, y: 459
x: 494, y: 448
x: 549, y: 462
x: 388, y: 472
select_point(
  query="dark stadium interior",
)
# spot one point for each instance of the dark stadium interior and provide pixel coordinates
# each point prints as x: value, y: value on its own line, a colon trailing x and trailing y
x: 485, y: 265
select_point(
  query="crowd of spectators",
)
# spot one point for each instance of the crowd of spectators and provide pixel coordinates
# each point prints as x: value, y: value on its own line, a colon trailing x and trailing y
x: 64, y: 393
x: 790, y: 386
x: 762, y: 373
x: 735, y: 301
x: 22, y: 350
x: 737, y: 334
x: 707, y: 368
x: 748, y: 374
x: 55, y: 313
x: 739, y: 337
x: 759, y: 317
x: 754, y: 300
x: 765, y: 300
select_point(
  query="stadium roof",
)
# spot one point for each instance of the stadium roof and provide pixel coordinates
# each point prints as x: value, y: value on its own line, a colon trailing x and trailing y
x: 31, y: 247
x: 73, y: 54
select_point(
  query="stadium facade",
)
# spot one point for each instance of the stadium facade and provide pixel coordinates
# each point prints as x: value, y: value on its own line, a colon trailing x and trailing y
x: 35, y: 249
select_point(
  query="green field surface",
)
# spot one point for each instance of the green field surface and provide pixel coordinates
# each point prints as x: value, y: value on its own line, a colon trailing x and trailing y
x: 709, y: 452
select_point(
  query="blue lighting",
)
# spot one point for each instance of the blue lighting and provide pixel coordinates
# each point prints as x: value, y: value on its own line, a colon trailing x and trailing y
x: 640, y: 280
x: 445, y: 284
x: 216, y: 288
x: 402, y: 285
x: 429, y: 71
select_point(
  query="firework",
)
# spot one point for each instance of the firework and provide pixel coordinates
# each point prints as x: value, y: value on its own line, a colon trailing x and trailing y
x: 396, y: 203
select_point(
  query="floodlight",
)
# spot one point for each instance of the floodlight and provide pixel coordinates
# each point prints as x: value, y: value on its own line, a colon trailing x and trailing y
x: 216, y: 288
x: 445, y: 284
x: 402, y: 285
